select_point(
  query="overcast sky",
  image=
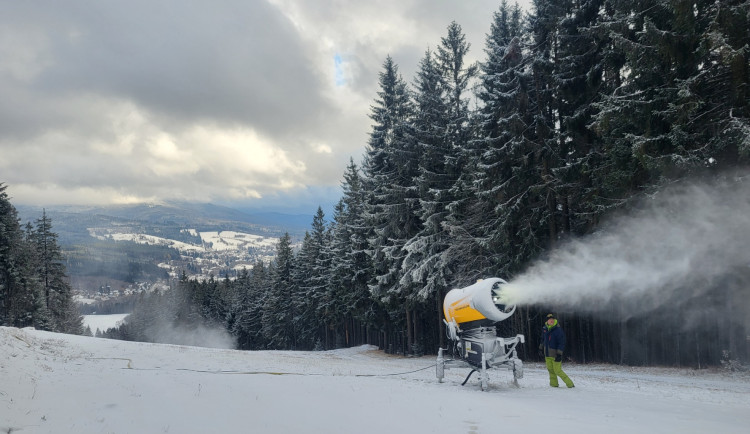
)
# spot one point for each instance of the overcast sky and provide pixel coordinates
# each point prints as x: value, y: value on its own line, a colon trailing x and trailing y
x: 253, y: 103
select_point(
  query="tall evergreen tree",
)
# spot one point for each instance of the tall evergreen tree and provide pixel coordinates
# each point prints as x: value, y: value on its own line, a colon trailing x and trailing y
x: 278, y: 324
x: 390, y: 167
x: 311, y: 277
x: 502, y: 122
x: 58, y: 293
x: 349, y: 297
x: 462, y: 159
x: 33, y: 286
x: 421, y: 269
x: 11, y: 238
x: 581, y: 59
x: 677, y: 110
x: 462, y: 150
x: 442, y: 129
x: 251, y: 294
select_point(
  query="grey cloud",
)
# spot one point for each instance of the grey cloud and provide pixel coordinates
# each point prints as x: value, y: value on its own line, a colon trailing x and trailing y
x: 229, y: 62
x: 90, y: 87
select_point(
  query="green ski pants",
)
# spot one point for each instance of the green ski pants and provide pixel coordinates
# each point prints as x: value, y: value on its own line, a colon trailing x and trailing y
x: 555, y: 370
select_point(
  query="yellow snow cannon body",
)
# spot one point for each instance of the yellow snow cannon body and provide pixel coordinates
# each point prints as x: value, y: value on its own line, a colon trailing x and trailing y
x: 470, y: 317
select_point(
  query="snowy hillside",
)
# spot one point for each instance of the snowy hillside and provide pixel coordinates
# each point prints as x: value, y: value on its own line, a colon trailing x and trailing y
x: 212, y: 240
x: 55, y: 383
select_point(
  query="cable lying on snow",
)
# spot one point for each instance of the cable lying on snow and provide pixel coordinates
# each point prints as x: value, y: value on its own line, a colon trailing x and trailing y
x: 272, y: 372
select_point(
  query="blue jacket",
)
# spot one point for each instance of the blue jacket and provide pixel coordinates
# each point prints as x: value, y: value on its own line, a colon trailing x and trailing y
x: 553, y: 340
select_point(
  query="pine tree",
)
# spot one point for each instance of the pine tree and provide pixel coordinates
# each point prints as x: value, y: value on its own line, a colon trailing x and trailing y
x: 252, y: 288
x: 390, y: 167
x: 442, y: 129
x: 716, y: 98
x: 58, y: 293
x: 349, y: 297
x: 10, y: 240
x: 676, y: 112
x: 31, y: 301
x: 462, y: 158
x: 335, y: 304
x: 421, y: 265
x: 278, y: 324
x: 502, y: 121
x: 580, y: 62
x: 528, y: 197
x: 311, y: 277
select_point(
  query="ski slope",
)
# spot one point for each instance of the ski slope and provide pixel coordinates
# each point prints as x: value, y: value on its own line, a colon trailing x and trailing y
x: 53, y: 383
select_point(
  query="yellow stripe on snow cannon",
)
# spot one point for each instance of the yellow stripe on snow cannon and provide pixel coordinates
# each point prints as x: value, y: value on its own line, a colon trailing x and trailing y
x: 481, y: 300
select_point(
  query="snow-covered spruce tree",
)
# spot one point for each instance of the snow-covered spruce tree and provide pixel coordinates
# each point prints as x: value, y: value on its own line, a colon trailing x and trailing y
x: 33, y: 286
x: 310, y: 277
x: 529, y: 202
x: 323, y: 234
x: 461, y: 255
x: 219, y: 312
x: 717, y: 96
x: 278, y: 325
x: 419, y: 268
x: 332, y: 309
x: 10, y: 236
x: 51, y: 270
x: 447, y: 189
x: 442, y: 130
x: 581, y: 58
x: 349, y: 299
x: 31, y: 302
x: 21, y: 293
x: 390, y: 168
x: 501, y: 121
x: 250, y: 295
x: 682, y: 105
x: 186, y: 299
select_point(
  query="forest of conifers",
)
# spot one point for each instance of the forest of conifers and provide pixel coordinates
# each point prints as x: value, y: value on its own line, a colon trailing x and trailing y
x: 577, y: 110
x: 34, y: 288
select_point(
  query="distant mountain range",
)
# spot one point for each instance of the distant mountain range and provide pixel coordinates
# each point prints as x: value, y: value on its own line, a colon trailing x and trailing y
x: 179, y: 213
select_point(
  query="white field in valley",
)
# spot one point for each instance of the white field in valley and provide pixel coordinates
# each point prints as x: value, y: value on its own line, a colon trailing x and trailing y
x: 212, y: 240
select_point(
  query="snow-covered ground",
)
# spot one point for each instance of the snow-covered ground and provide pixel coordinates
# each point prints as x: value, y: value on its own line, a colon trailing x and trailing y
x: 231, y: 240
x: 53, y: 383
x: 151, y: 239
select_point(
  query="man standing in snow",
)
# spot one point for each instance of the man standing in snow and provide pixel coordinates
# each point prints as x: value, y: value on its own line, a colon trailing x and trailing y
x: 553, y: 344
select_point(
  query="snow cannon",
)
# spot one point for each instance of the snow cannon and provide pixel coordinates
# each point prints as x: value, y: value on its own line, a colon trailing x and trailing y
x: 481, y: 301
x: 470, y: 317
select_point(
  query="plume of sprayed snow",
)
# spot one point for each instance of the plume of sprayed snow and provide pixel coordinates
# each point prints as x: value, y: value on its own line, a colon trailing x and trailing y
x: 195, y: 336
x: 683, y: 241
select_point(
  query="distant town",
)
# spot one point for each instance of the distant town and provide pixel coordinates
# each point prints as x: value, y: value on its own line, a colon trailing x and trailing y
x: 217, y: 254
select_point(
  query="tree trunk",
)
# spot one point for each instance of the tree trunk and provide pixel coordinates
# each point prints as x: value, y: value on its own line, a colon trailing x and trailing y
x: 409, y: 332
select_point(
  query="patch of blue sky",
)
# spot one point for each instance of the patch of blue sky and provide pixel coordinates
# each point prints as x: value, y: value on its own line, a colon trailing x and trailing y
x: 339, y: 76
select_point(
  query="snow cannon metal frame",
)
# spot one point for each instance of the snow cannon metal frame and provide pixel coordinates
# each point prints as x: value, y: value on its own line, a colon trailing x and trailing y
x: 470, y: 317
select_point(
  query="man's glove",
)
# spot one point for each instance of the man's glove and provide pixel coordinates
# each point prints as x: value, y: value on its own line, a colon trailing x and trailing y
x: 558, y: 358
x: 541, y: 353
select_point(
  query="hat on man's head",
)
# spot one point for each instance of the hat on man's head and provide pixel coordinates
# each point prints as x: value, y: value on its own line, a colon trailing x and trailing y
x: 551, y: 316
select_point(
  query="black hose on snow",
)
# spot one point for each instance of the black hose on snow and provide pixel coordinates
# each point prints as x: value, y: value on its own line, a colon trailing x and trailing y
x: 467, y: 377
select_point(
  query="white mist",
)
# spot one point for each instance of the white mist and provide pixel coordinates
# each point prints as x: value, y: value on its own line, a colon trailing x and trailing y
x: 685, y: 240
